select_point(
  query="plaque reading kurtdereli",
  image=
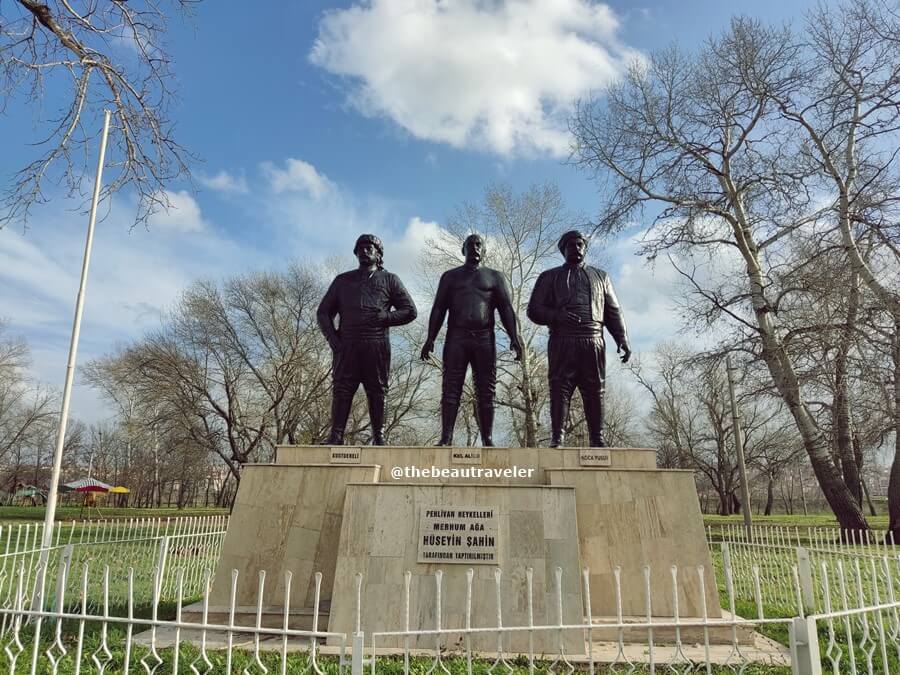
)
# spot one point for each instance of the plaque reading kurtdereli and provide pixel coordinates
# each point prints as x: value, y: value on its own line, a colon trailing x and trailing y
x: 344, y: 455
x: 465, y: 456
x: 594, y: 457
x: 464, y: 534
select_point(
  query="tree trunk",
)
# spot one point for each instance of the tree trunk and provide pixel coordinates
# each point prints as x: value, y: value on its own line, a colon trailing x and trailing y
x: 531, y: 418
x: 842, y: 430
x: 872, y: 511
x: 724, y: 503
x: 844, y: 506
x: 894, y: 482
x: 848, y: 512
x: 221, y: 491
x: 770, y: 496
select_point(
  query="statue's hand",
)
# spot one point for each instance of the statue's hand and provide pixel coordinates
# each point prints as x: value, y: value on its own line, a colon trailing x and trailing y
x: 380, y: 317
x: 625, y: 350
x: 427, y: 348
x: 516, y: 346
x: 566, y: 317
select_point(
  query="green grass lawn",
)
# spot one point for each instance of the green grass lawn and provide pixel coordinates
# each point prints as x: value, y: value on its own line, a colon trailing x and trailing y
x: 142, y: 559
x: 17, y: 514
x: 825, y: 519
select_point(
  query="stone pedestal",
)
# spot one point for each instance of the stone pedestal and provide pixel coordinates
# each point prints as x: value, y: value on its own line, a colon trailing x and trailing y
x: 285, y: 518
x: 632, y: 518
x: 342, y: 511
x: 381, y: 538
x: 390, y: 458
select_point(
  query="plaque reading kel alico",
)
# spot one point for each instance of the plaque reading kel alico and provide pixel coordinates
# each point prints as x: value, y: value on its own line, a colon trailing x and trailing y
x: 466, y: 535
x: 465, y: 456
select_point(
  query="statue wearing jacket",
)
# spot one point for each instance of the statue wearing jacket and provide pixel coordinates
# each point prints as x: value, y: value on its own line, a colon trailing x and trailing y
x: 577, y: 301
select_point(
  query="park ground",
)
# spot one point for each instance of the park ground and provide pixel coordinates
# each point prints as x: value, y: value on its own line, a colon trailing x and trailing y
x: 21, y: 514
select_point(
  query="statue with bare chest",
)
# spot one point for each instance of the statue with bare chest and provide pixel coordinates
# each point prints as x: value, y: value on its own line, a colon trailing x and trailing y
x: 470, y: 294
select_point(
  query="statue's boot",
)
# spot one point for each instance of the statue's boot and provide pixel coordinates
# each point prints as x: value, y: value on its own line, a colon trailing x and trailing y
x: 486, y: 423
x: 559, y: 413
x: 340, y: 411
x: 448, y: 422
x: 376, y: 417
x: 593, y: 412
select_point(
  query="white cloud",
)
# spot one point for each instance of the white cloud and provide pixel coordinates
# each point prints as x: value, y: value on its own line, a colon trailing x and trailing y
x: 474, y: 73
x: 182, y: 215
x: 135, y: 276
x: 297, y: 176
x: 224, y: 182
x: 404, y: 251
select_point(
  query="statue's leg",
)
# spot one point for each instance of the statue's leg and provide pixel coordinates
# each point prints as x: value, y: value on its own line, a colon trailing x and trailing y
x: 563, y: 371
x: 484, y: 375
x: 346, y: 379
x: 377, y: 357
x: 455, y: 363
x: 591, y: 383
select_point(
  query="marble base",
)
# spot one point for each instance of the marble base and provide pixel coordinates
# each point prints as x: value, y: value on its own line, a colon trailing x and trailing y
x: 380, y: 538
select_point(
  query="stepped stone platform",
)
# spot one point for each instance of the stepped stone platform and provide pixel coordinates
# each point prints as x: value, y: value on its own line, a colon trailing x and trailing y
x: 375, y: 510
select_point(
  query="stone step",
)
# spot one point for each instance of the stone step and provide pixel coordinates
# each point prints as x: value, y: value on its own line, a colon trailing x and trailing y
x: 722, y: 634
x: 270, y: 617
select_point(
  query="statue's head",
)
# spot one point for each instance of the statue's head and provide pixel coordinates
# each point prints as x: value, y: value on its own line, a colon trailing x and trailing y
x: 573, y: 245
x: 474, y: 249
x: 369, y: 250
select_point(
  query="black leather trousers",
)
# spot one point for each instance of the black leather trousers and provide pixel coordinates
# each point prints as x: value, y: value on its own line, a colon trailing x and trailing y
x: 365, y: 361
x: 577, y: 362
x: 463, y: 348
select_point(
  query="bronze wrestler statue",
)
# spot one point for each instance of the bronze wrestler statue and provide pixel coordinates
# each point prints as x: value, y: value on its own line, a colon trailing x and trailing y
x: 577, y: 301
x: 470, y: 294
x: 369, y: 300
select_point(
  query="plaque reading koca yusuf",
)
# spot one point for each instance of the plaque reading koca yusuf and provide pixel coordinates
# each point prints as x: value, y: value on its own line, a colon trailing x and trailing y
x: 594, y: 457
x: 466, y: 535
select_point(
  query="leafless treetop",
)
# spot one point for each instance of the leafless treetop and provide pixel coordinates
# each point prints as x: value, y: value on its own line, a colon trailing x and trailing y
x: 74, y: 58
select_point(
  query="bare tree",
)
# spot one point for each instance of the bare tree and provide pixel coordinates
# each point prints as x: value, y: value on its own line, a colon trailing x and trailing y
x: 102, y: 54
x: 846, y: 108
x: 25, y: 407
x: 702, y: 137
x: 239, y: 367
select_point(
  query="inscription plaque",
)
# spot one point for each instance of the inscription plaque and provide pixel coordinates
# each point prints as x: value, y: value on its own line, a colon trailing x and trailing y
x: 458, y: 534
x: 594, y: 457
x: 345, y: 455
x: 465, y: 456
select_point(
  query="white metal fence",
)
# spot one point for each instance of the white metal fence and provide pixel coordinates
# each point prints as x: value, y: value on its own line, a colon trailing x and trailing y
x: 141, y: 545
x: 113, y: 598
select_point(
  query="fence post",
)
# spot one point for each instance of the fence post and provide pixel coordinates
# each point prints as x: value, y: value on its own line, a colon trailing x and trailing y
x: 356, y: 659
x: 161, y: 556
x: 804, y: 571
x: 805, y: 659
x: 66, y: 562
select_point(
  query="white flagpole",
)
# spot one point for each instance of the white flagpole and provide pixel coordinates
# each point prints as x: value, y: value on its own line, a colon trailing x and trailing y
x: 50, y: 514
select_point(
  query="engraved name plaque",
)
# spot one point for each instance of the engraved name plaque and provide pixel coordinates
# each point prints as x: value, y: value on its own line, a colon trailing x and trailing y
x: 459, y: 534
x: 345, y: 455
x: 594, y: 457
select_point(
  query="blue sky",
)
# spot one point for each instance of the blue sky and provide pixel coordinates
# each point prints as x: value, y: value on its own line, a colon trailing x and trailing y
x: 316, y: 121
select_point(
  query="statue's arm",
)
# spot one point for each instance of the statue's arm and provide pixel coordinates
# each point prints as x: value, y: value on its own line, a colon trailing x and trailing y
x: 539, y: 309
x: 404, y: 308
x: 612, y: 314
x: 439, y: 309
x: 507, y: 314
x: 325, y: 314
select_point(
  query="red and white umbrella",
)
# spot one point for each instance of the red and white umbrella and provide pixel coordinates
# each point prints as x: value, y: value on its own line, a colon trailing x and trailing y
x: 87, y: 485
